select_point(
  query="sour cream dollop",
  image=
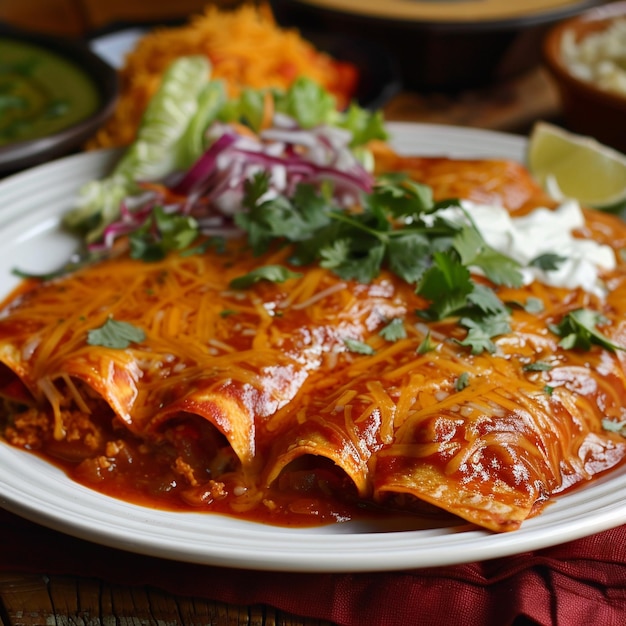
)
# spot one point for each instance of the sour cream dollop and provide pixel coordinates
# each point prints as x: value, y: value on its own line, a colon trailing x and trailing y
x: 543, y: 231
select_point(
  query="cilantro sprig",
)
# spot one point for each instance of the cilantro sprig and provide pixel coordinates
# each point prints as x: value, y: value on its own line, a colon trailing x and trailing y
x: 354, y: 245
x: 399, y: 227
x: 578, y: 329
x: 161, y: 233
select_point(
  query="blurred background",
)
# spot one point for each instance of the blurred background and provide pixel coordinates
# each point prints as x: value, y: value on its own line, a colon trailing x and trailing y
x: 78, y: 18
x: 478, y: 63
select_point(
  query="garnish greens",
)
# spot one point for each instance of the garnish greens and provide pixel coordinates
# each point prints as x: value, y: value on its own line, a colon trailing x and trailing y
x: 615, y: 427
x: 172, y: 133
x: 157, y: 150
x: 394, y: 330
x: 426, y: 345
x: 271, y: 273
x: 548, y: 262
x: 578, y: 329
x: 162, y: 233
x: 481, y: 329
x: 115, y: 334
x: 537, y: 366
x: 399, y: 227
x: 462, y: 381
x: 354, y: 345
x: 533, y: 305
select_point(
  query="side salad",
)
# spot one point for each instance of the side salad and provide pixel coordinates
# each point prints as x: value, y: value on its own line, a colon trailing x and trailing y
x: 192, y: 137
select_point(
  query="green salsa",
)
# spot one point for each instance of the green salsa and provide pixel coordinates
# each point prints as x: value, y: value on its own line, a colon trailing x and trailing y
x: 41, y: 92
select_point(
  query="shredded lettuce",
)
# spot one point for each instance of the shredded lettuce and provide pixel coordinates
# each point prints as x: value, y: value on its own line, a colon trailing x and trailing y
x: 211, y: 99
x: 309, y: 105
x: 156, y: 151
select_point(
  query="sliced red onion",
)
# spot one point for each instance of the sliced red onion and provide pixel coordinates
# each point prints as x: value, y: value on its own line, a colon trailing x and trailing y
x: 214, y: 186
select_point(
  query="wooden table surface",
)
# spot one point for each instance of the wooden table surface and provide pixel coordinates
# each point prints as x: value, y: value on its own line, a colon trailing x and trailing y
x: 41, y: 598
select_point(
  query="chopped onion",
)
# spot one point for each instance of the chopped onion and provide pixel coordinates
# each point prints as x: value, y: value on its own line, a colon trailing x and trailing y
x: 212, y: 190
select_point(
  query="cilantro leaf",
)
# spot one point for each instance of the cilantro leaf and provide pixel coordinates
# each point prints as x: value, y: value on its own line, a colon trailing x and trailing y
x: 485, y: 299
x: 614, y: 427
x: 291, y: 219
x: 398, y: 227
x: 359, y: 347
x: 578, y: 329
x: 475, y: 252
x: 115, y: 334
x: 408, y: 255
x: 462, y: 381
x: 271, y: 273
x: 426, y: 345
x: 479, y: 340
x: 446, y: 284
x: 400, y: 197
x: 537, y: 366
x: 548, y: 262
x: 251, y: 105
x: 307, y: 102
x: 482, y: 329
x: 531, y: 305
x: 358, y: 259
x: 161, y: 233
x: 363, y: 124
x: 217, y: 243
x: 534, y: 305
x: 394, y: 330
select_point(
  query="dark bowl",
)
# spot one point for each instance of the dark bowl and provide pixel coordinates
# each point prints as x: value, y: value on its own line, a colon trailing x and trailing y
x: 379, y: 75
x: 18, y: 155
x: 446, y: 54
x: 586, y: 108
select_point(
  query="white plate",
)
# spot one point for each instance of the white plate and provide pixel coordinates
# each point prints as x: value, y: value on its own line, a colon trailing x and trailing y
x: 114, y: 47
x: 32, y: 203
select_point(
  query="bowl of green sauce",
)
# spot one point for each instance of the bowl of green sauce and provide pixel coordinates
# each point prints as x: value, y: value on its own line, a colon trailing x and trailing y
x: 54, y: 94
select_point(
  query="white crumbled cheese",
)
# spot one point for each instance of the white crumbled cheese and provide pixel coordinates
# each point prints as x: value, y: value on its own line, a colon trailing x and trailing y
x: 543, y: 231
x: 599, y: 58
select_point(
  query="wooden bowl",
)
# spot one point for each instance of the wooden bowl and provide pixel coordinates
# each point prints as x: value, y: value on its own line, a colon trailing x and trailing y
x: 587, y: 108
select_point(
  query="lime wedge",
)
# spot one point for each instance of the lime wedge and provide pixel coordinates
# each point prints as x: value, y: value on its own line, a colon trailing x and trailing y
x: 574, y: 166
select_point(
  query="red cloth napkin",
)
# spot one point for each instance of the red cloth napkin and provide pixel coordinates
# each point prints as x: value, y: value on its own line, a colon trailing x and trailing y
x: 581, y: 582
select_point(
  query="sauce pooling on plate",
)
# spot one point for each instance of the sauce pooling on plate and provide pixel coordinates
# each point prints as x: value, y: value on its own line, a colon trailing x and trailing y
x: 41, y: 92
